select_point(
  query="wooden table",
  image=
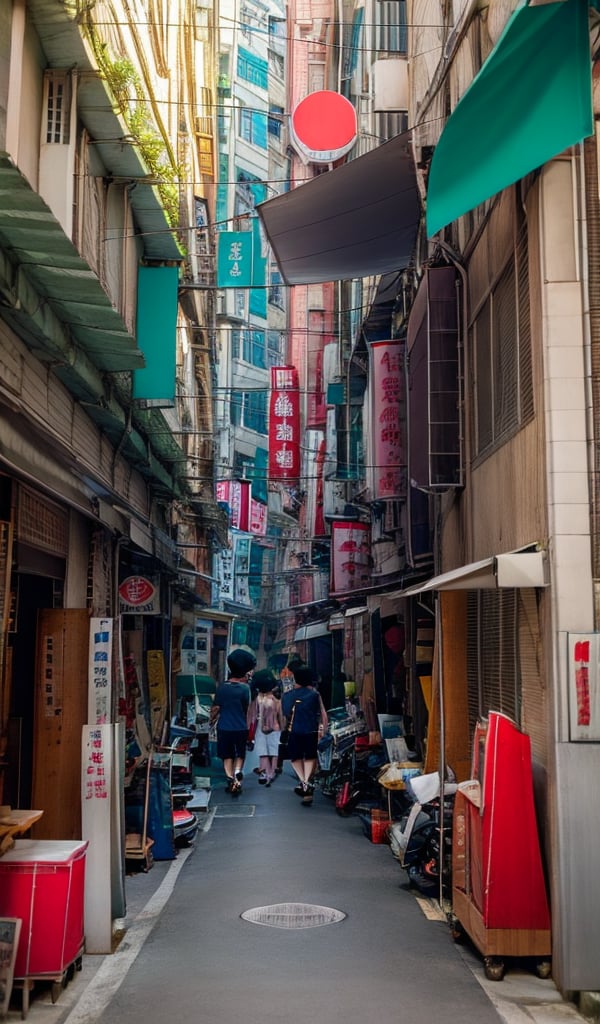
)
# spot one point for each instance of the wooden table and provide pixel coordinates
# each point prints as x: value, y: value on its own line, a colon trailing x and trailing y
x: 15, y: 824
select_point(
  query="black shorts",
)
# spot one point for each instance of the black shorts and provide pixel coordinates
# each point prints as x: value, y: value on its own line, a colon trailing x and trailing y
x: 231, y: 744
x: 302, y: 746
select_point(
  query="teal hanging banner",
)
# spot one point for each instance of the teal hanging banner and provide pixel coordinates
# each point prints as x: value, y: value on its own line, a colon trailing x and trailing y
x: 156, y: 328
x: 234, y: 259
x: 530, y: 101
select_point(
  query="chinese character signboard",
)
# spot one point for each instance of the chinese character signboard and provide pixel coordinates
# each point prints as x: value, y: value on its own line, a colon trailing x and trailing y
x: 96, y: 764
x: 100, y: 671
x: 234, y: 259
x: 258, y: 518
x: 235, y: 494
x: 284, y: 424
x: 139, y: 595
x: 584, y: 686
x: 389, y: 448
x: 224, y: 573
x: 350, y: 560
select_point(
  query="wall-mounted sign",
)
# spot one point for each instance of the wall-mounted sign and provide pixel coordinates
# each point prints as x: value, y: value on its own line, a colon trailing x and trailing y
x: 584, y: 686
x: 389, y: 447
x: 284, y: 424
x: 139, y: 595
x: 100, y: 671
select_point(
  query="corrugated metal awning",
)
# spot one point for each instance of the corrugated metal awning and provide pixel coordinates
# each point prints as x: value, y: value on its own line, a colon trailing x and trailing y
x: 58, y: 28
x: 311, y: 630
x: 50, y: 263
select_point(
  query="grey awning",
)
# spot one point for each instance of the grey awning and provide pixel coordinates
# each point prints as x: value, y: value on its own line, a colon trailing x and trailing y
x: 512, y: 569
x: 356, y: 221
x: 311, y: 631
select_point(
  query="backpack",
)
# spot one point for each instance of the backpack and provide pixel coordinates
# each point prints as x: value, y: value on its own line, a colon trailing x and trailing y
x: 268, y: 716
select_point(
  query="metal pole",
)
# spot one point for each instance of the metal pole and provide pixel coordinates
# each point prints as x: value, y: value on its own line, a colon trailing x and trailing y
x: 440, y: 663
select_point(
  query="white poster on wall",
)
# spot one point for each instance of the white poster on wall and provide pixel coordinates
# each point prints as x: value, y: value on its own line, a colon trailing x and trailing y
x: 100, y: 671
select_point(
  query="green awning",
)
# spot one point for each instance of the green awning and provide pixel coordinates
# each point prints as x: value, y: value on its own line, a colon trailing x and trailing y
x: 531, y: 100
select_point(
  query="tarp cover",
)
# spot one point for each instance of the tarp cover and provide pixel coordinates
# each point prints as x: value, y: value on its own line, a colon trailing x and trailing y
x: 355, y: 221
x: 531, y: 100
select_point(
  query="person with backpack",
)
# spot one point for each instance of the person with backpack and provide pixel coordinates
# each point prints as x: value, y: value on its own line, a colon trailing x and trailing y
x: 265, y: 721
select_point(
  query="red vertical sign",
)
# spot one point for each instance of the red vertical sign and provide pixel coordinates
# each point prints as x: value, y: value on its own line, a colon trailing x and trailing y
x: 388, y: 428
x: 284, y: 424
x: 350, y: 560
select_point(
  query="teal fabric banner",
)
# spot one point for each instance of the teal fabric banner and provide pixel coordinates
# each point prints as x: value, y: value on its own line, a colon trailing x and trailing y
x: 531, y: 100
x: 156, y: 328
x: 234, y: 259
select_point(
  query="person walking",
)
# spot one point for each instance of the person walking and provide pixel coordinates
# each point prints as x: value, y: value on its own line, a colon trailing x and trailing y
x: 229, y: 711
x: 306, y: 719
x: 265, y: 720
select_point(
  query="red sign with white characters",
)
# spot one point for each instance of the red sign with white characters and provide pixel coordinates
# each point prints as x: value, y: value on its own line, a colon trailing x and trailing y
x: 139, y: 595
x: 284, y: 424
x: 388, y: 431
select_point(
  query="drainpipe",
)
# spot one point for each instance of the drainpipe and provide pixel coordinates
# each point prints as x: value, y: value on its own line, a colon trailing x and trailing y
x: 590, y: 275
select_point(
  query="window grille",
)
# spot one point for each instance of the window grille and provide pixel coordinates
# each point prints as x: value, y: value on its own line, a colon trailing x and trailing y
x: 493, y: 669
x: 42, y: 524
x: 500, y: 343
x: 391, y: 28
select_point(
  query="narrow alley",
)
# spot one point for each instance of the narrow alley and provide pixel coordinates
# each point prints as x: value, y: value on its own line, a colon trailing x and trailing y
x: 188, y: 953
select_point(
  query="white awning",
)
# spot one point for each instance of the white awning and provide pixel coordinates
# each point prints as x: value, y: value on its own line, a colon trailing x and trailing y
x: 311, y: 630
x: 356, y: 611
x: 510, y: 570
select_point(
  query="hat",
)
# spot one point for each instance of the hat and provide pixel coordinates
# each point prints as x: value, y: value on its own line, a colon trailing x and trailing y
x: 241, y: 660
x: 264, y: 680
x: 302, y: 675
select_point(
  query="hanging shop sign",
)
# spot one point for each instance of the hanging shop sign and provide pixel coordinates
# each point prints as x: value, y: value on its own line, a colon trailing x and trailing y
x: 100, y: 671
x: 389, y: 454
x: 258, y: 518
x: 242, y: 570
x: 224, y: 574
x: 234, y: 259
x: 284, y: 424
x: 139, y: 595
x: 350, y: 562
x: 235, y: 495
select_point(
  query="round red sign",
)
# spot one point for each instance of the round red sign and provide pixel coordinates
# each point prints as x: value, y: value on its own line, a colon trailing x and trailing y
x: 323, y: 126
x: 136, y: 590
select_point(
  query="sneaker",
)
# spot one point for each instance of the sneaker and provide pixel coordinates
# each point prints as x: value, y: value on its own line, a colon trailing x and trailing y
x: 228, y: 785
x: 307, y: 799
x: 267, y: 783
x: 236, y: 788
x: 262, y: 779
x: 239, y: 776
x: 299, y: 790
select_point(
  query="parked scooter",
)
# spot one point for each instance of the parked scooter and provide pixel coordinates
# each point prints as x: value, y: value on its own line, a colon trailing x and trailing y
x: 422, y: 840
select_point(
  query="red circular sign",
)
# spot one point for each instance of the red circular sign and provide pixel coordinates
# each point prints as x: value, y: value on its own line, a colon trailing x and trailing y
x: 136, y: 590
x: 324, y: 126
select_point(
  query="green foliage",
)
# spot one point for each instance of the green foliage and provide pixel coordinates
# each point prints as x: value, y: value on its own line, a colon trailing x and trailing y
x: 132, y: 104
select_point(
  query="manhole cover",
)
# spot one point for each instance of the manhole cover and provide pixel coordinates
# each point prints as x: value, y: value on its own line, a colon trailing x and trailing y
x: 235, y: 810
x: 293, y: 915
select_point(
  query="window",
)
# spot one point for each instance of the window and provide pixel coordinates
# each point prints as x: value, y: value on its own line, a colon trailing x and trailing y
x: 252, y: 68
x: 58, y: 107
x: 500, y: 342
x: 249, y: 345
x: 253, y: 126
x: 249, y: 409
x: 275, y: 121
x: 391, y: 30
x: 276, y: 295
x: 275, y: 348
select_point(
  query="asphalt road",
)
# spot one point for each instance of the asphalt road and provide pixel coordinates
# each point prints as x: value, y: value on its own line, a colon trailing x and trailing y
x: 188, y: 954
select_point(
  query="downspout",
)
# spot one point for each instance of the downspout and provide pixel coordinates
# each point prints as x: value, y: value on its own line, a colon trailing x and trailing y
x: 590, y: 273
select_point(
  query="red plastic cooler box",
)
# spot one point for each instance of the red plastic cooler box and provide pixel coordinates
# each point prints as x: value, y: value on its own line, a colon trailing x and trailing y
x: 42, y: 882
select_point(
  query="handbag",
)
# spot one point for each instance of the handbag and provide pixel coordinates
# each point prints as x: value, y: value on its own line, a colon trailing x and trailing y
x: 284, y: 736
